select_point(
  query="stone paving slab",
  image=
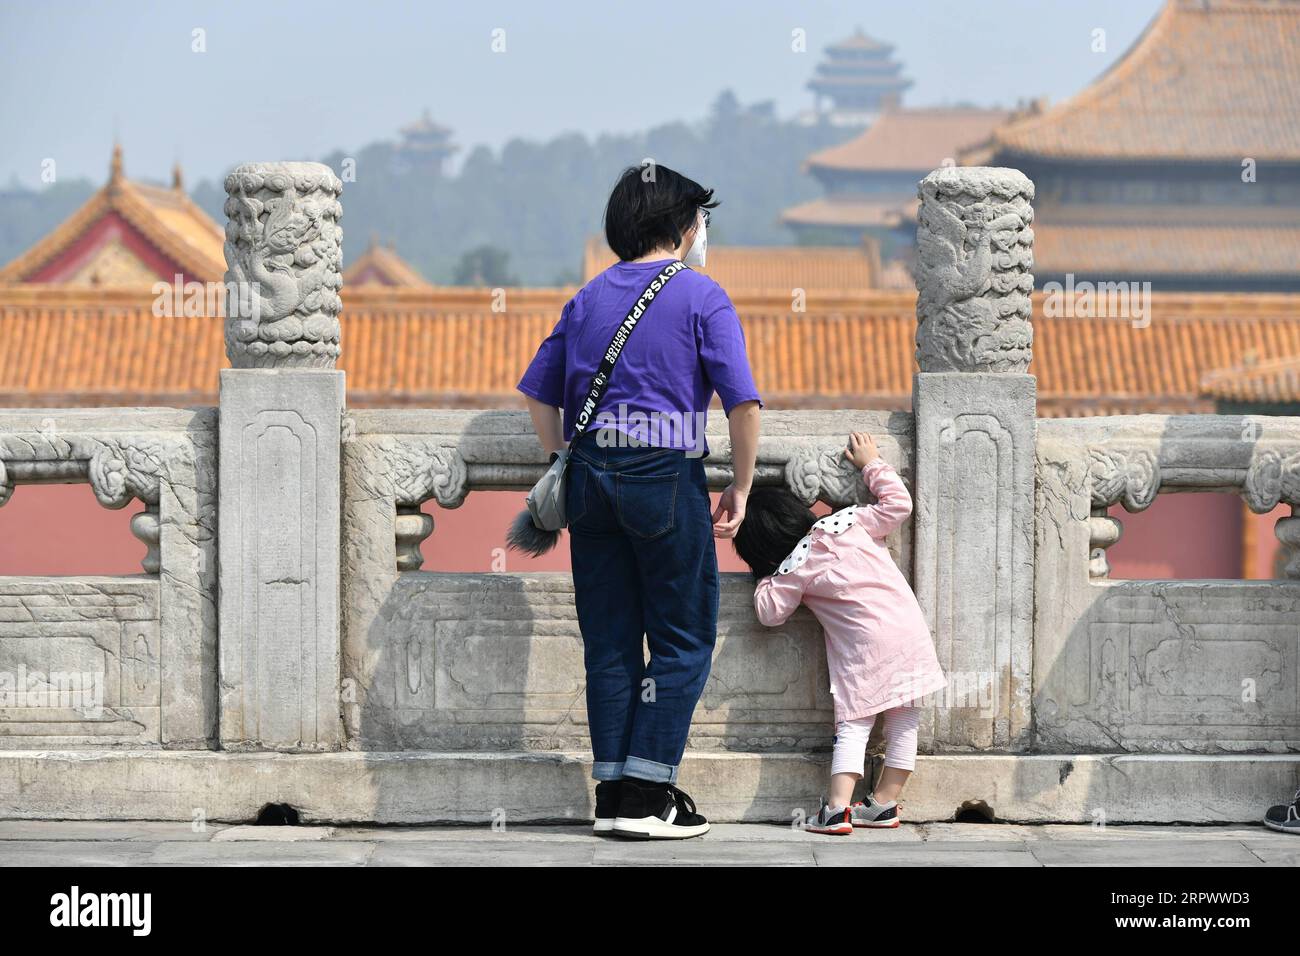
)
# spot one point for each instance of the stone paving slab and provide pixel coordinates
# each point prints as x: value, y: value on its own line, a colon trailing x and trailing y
x: 478, y: 853
x: 274, y: 834
x: 1275, y: 852
x: 968, y: 854
x: 1183, y: 851
x: 975, y: 833
x: 77, y: 853
x: 335, y: 853
x: 615, y: 851
x: 1076, y: 832
x: 153, y: 830
x: 81, y: 843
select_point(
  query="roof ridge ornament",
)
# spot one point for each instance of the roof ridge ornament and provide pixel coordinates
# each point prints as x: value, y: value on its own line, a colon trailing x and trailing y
x: 115, y: 173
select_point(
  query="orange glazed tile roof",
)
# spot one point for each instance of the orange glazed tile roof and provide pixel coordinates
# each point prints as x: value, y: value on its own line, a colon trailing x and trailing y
x: 773, y: 270
x: 1208, y: 80
x: 70, y: 347
x: 167, y: 218
x: 380, y: 265
x: 1152, y: 250
x: 850, y: 211
x: 1270, y: 382
x: 911, y: 139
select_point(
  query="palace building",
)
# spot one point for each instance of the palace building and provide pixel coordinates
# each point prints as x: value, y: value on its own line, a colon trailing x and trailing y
x: 1180, y: 166
x: 870, y: 181
x: 381, y: 265
x: 128, y: 234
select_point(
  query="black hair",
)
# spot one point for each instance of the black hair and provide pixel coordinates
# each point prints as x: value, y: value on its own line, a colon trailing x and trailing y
x: 774, y: 522
x: 651, y: 206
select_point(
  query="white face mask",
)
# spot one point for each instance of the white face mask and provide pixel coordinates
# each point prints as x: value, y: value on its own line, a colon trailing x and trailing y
x: 695, y: 254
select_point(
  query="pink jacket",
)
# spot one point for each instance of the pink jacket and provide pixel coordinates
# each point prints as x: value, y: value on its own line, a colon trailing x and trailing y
x: 877, y: 644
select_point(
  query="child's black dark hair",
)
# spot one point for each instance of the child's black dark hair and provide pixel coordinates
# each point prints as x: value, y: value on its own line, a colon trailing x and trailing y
x: 774, y: 522
x: 651, y: 207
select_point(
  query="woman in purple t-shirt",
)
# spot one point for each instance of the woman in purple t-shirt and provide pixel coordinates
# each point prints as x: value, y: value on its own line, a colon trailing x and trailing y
x: 640, y: 530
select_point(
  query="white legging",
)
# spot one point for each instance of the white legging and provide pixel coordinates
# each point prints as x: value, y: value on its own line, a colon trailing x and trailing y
x: 850, y: 754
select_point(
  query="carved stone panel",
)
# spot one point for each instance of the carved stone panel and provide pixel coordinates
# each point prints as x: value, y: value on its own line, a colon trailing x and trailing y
x: 973, y: 532
x: 80, y: 663
x: 280, y: 558
x: 1182, y: 666
x: 471, y: 662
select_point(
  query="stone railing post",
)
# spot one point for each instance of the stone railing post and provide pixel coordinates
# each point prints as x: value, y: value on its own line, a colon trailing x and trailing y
x: 974, y: 403
x: 281, y: 417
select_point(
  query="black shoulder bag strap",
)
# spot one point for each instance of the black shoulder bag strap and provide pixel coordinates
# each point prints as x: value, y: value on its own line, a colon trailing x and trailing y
x: 600, y: 380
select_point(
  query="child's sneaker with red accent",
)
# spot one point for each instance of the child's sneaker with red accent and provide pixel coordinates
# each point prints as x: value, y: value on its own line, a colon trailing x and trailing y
x: 832, y: 820
x: 874, y: 816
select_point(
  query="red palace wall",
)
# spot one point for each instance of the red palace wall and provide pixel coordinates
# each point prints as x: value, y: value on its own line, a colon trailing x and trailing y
x: 61, y: 529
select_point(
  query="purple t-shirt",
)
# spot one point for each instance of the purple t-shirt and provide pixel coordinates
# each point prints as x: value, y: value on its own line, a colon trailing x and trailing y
x: 688, y: 345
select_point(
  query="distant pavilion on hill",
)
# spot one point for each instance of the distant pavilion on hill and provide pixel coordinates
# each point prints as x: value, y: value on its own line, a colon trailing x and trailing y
x: 857, y: 79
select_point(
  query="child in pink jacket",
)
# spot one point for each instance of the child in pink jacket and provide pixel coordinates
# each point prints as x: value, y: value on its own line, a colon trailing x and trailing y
x: 878, y: 646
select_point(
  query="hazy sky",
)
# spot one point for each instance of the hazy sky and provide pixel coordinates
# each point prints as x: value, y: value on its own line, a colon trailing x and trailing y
x: 295, y: 80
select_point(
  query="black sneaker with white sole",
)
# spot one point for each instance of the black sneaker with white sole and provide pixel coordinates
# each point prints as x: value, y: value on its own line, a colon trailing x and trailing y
x: 657, y: 811
x: 1285, y: 817
x: 607, y: 796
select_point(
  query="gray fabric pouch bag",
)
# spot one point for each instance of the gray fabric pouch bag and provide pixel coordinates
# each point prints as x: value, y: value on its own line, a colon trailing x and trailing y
x: 546, y: 500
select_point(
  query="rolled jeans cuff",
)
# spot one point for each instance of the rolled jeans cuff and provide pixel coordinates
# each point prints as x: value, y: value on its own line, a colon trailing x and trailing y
x: 607, y: 770
x: 650, y: 770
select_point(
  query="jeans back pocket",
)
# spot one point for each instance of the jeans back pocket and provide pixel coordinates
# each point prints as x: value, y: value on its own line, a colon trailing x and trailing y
x: 575, y: 492
x: 646, y: 504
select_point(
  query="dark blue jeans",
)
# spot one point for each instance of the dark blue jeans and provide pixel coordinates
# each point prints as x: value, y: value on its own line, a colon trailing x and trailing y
x: 644, y: 564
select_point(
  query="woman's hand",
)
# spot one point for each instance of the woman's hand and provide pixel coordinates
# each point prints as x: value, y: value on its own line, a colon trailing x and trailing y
x: 862, y: 449
x: 548, y: 422
x: 732, y: 504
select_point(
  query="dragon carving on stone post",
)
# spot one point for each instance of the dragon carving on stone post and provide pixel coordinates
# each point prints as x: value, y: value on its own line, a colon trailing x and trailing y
x: 283, y: 256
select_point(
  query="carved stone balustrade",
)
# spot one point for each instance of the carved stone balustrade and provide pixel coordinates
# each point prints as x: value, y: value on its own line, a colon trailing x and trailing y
x: 451, y: 661
x: 147, y: 642
x: 1160, y: 666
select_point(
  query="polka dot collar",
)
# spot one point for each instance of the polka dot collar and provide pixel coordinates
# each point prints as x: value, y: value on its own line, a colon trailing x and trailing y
x: 835, y: 523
